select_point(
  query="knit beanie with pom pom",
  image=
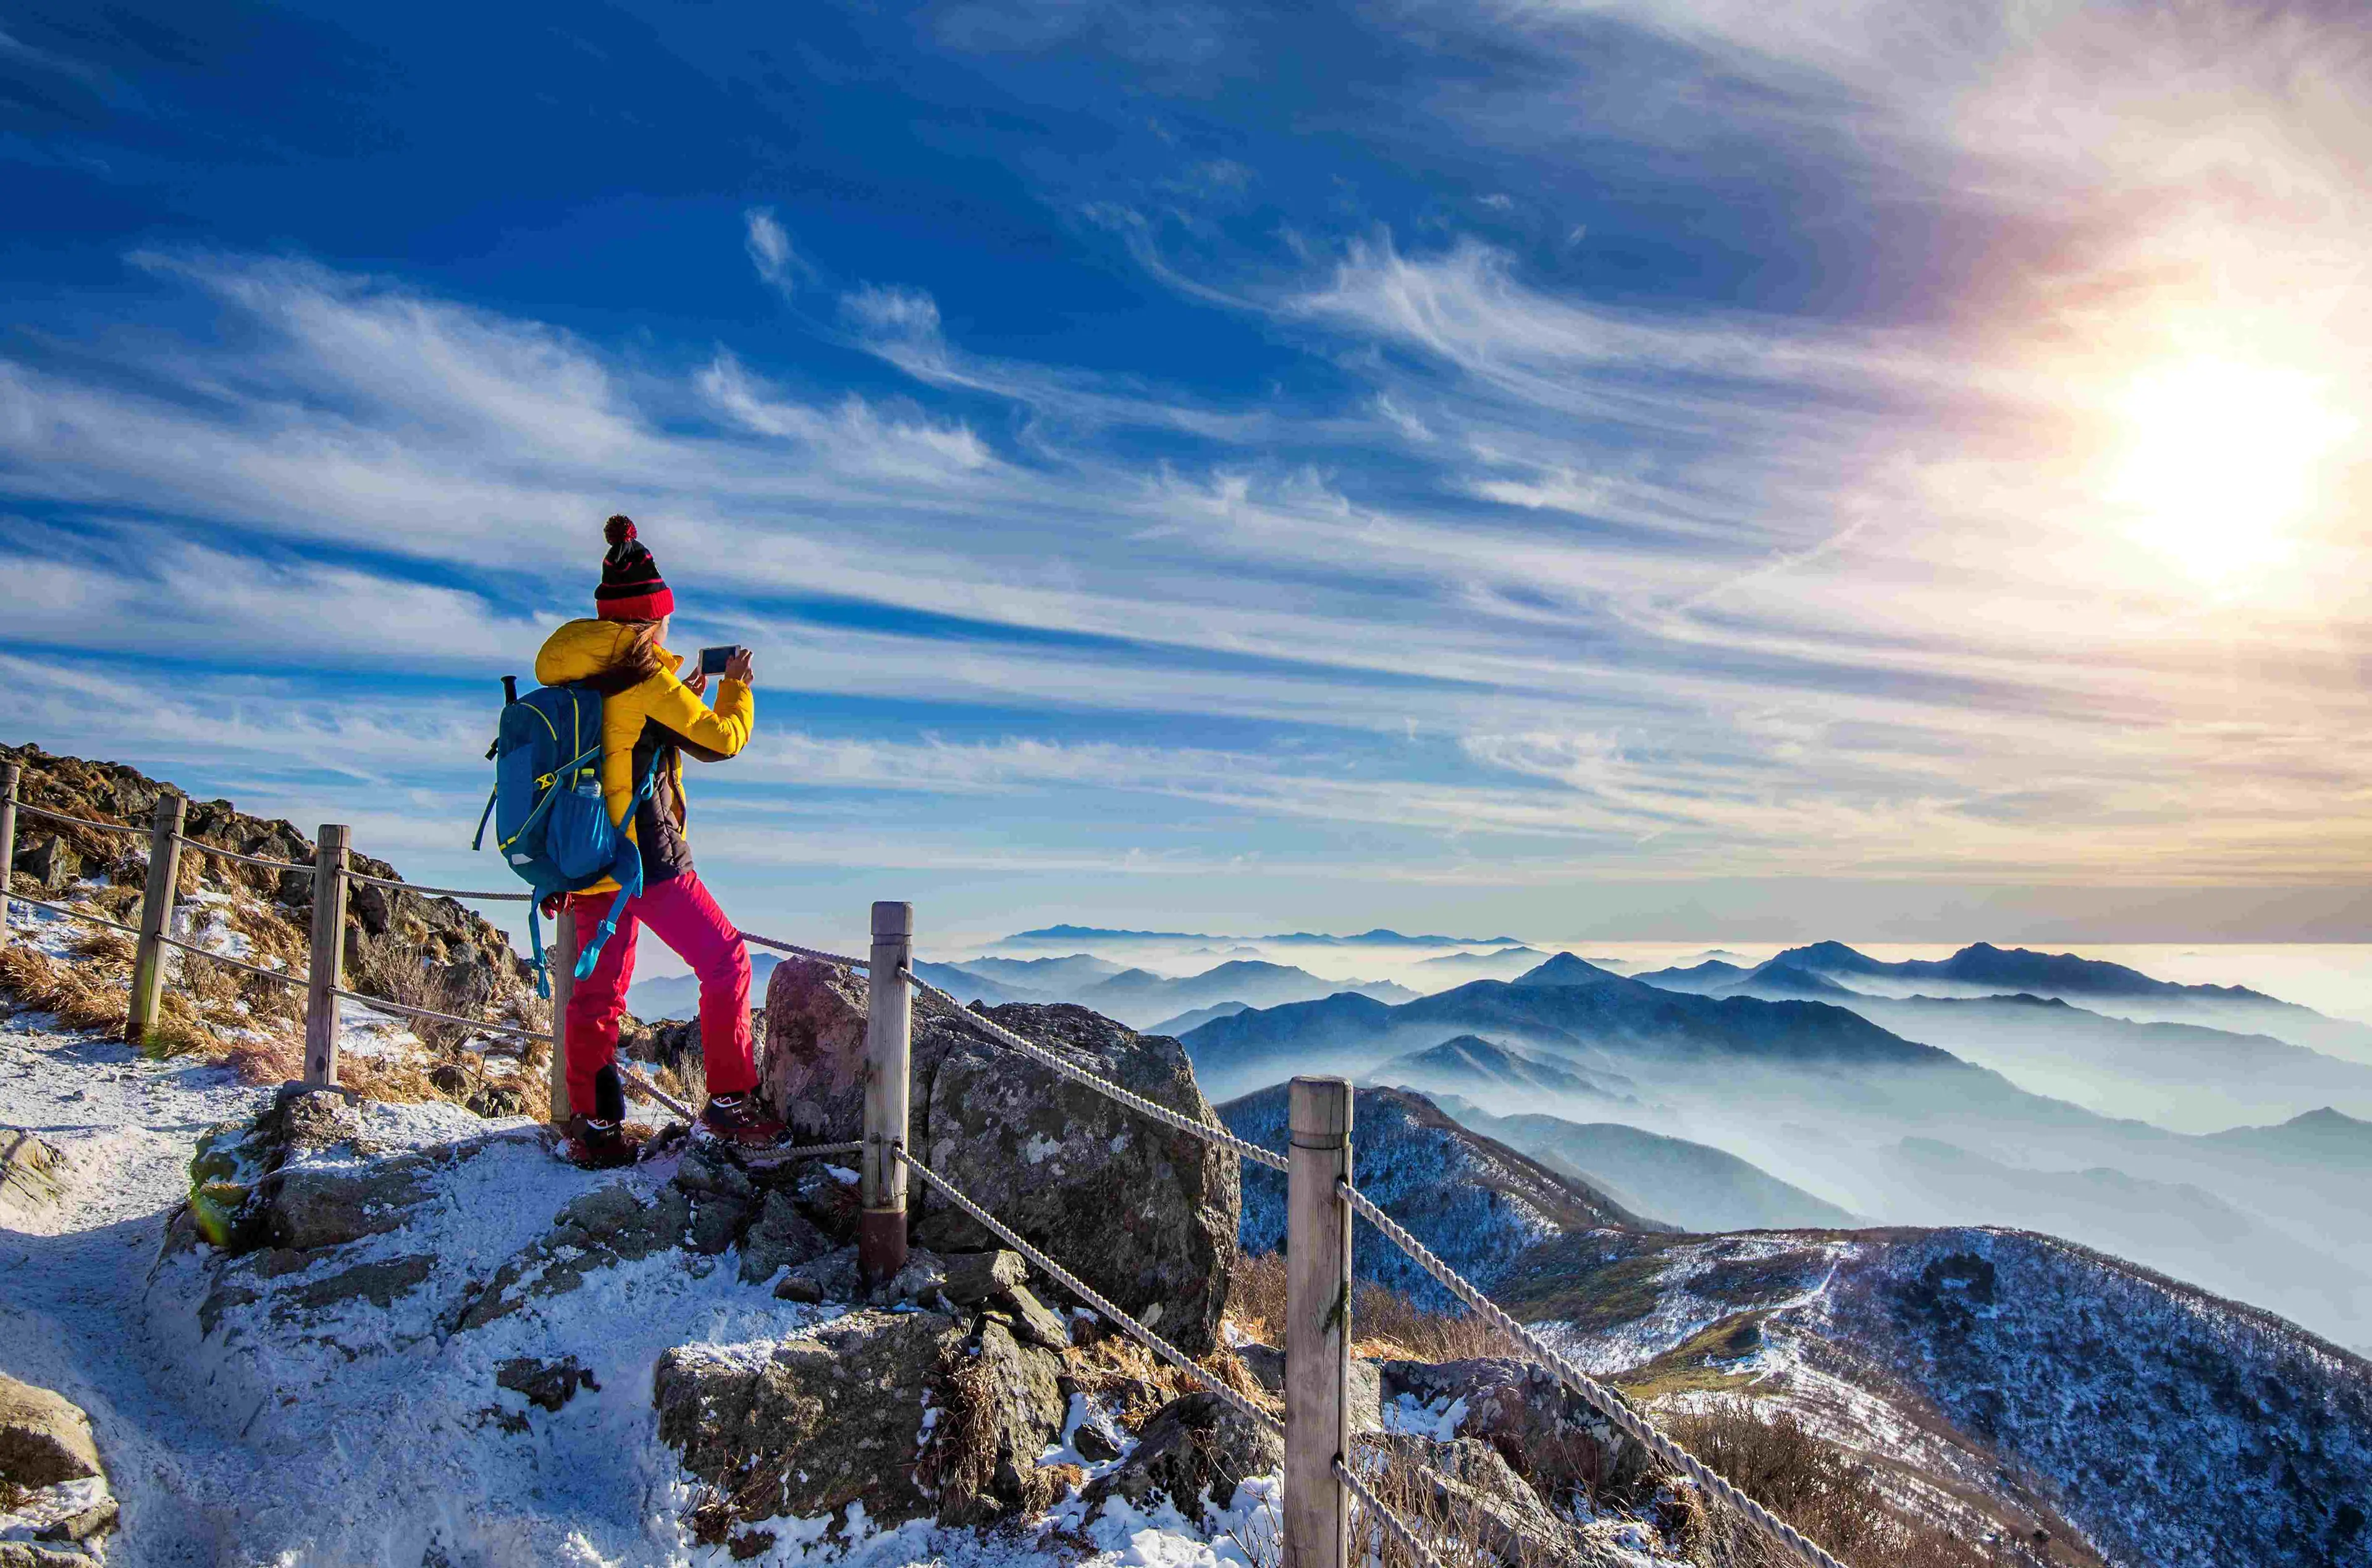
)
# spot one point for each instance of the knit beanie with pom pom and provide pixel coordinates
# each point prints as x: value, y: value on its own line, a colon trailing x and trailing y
x: 631, y: 588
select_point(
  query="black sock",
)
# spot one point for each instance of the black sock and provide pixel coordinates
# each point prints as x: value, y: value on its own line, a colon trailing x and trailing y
x: 609, y: 1096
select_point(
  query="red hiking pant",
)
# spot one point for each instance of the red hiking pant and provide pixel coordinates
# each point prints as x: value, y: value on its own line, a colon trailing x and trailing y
x: 681, y: 914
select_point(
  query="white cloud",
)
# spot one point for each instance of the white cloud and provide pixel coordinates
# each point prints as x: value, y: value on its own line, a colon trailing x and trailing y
x: 770, y: 250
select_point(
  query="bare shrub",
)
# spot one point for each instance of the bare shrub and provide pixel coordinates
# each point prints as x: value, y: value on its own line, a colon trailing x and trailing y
x: 1822, y: 1490
x: 407, y: 973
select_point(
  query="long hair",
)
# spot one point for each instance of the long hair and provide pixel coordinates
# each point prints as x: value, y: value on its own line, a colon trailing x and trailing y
x: 636, y: 661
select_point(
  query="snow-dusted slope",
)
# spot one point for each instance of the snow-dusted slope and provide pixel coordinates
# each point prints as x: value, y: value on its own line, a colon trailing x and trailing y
x: 2000, y: 1374
x: 1478, y: 1203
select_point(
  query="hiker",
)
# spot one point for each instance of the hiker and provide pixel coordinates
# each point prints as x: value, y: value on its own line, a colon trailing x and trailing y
x: 650, y: 719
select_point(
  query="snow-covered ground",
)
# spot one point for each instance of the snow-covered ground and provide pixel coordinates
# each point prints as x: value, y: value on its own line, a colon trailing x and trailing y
x: 374, y: 1434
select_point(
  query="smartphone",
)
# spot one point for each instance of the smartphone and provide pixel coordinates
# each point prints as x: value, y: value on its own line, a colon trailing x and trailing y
x: 714, y: 660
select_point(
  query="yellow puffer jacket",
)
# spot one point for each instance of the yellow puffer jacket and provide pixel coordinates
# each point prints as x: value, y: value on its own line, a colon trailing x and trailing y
x: 582, y: 650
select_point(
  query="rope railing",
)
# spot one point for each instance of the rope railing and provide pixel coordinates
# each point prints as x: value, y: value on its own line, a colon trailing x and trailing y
x: 430, y: 1014
x: 1104, y: 1087
x: 799, y: 952
x: 1384, y: 1515
x: 1618, y: 1411
x: 283, y: 976
x: 1089, y: 1295
x: 242, y: 856
x: 401, y: 886
x: 82, y: 821
x: 74, y: 914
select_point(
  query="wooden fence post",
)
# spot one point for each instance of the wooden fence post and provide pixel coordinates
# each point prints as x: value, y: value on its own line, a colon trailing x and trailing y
x: 1317, y: 1327
x: 560, y: 958
x: 155, y: 916
x: 327, y: 967
x: 889, y: 1047
x: 9, y: 774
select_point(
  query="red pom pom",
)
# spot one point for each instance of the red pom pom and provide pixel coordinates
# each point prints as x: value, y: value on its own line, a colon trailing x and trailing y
x: 618, y: 529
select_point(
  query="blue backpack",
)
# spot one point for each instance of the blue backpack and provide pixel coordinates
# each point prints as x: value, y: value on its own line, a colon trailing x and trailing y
x: 551, y: 824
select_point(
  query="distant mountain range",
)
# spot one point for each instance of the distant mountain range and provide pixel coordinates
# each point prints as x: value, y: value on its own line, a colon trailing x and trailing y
x: 1469, y: 1061
x: 1379, y: 937
x: 1695, y: 1185
x: 1811, y: 1090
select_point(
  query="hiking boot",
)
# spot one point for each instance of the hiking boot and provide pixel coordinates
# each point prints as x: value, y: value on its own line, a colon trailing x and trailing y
x: 737, y: 1119
x: 591, y: 1144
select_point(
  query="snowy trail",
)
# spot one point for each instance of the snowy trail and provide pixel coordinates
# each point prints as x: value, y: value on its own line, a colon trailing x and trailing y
x: 71, y: 1296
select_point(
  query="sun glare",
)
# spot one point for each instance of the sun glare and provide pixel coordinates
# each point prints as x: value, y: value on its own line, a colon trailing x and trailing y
x: 2222, y: 463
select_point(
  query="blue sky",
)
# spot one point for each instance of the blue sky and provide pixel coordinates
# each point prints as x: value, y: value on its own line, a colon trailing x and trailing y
x: 1622, y: 467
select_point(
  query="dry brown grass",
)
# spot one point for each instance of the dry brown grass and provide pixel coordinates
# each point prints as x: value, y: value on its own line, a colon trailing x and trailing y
x: 1132, y: 1382
x: 1386, y: 1325
x: 81, y: 996
x: 1822, y: 1490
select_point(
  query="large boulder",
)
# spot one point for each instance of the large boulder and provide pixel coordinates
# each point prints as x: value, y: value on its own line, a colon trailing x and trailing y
x: 912, y: 1414
x: 1143, y: 1212
x: 1545, y: 1431
x: 53, y: 1486
x: 44, y: 1437
x: 28, y: 1177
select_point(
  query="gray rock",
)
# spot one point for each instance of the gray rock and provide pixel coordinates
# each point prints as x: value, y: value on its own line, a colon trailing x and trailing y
x: 974, y: 1278
x: 721, y: 1193
x: 1542, y: 1429
x: 44, y: 1437
x: 838, y: 1414
x: 550, y: 1383
x: 832, y: 1277
x: 378, y: 1283
x: 783, y: 1236
x: 1143, y: 1213
x: 1194, y: 1450
x: 28, y: 1184
x: 1036, y: 1323
x: 1267, y: 1366
x: 88, y: 1525
x: 602, y: 1228
x: 27, y: 1554
x: 922, y: 1279
x: 51, y: 862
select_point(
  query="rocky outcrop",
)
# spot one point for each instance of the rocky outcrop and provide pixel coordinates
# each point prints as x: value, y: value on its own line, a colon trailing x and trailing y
x: 28, y: 1177
x: 912, y: 1414
x: 1194, y: 1451
x: 476, y: 966
x: 1143, y: 1213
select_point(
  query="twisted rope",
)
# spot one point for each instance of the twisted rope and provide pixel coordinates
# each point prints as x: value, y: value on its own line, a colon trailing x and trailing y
x: 1087, y: 1294
x: 72, y: 913
x: 1383, y: 1515
x: 402, y: 887
x: 1605, y: 1400
x: 83, y: 821
x: 1104, y: 1087
x: 798, y: 951
x: 381, y: 1004
x: 283, y: 976
x: 652, y: 1092
x: 243, y: 859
